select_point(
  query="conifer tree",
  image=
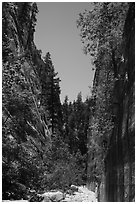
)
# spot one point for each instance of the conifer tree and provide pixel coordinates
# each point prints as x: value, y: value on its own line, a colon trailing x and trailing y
x: 51, y: 91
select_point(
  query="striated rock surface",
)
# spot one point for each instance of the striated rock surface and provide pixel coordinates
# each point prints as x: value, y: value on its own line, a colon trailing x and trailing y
x: 111, y: 141
x: 120, y: 159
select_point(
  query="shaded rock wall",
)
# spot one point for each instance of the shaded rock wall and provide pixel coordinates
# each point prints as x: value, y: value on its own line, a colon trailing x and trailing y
x: 120, y: 159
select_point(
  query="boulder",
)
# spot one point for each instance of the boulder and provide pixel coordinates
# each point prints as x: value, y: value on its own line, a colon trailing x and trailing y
x: 70, y: 192
x: 74, y: 188
x: 46, y: 199
x: 54, y: 196
x: 80, y: 191
x: 36, y: 198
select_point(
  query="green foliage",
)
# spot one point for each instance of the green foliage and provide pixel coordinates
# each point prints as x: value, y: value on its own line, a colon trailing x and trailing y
x: 102, y: 27
x: 36, y: 151
x: 65, y: 162
x: 101, y: 32
x: 50, y: 96
x: 26, y: 136
x: 100, y: 126
x: 67, y: 169
x: 75, y: 124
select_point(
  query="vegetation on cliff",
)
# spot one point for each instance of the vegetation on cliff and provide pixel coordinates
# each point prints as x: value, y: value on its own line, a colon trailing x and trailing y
x: 38, y: 151
x: 47, y: 145
x: 102, y: 32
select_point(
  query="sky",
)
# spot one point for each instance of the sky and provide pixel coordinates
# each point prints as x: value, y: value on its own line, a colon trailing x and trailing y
x: 57, y: 33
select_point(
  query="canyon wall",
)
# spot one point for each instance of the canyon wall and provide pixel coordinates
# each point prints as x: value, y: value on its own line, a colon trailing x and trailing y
x: 119, y: 184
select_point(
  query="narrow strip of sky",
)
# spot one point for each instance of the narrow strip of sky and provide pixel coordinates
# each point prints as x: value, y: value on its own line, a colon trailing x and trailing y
x: 57, y: 33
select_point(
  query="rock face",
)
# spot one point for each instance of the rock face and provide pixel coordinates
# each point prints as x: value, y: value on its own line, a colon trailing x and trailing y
x: 120, y: 159
x: 111, y: 159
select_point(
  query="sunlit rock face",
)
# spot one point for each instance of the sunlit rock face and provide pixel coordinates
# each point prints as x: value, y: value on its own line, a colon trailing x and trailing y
x: 120, y: 159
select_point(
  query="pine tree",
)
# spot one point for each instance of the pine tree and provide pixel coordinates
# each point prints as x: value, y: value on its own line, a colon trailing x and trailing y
x: 66, y: 112
x: 51, y: 91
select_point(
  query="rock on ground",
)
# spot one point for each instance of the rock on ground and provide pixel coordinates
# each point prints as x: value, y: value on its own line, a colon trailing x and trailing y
x: 53, y: 196
x: 83, y: 195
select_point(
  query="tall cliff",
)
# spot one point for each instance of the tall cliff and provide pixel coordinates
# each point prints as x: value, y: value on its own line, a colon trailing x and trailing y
x: 26, y: 135
x: 120, y: 159
x: 36, y: 152
x: 22, y: 62
x: 111, y: 140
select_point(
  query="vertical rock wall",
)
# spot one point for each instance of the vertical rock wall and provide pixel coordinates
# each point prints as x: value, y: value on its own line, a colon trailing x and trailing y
x: 120, y: 159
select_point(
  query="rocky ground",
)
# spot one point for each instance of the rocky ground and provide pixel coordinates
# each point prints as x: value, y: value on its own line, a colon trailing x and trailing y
x: 74, y: 194
x: 83, y: 195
